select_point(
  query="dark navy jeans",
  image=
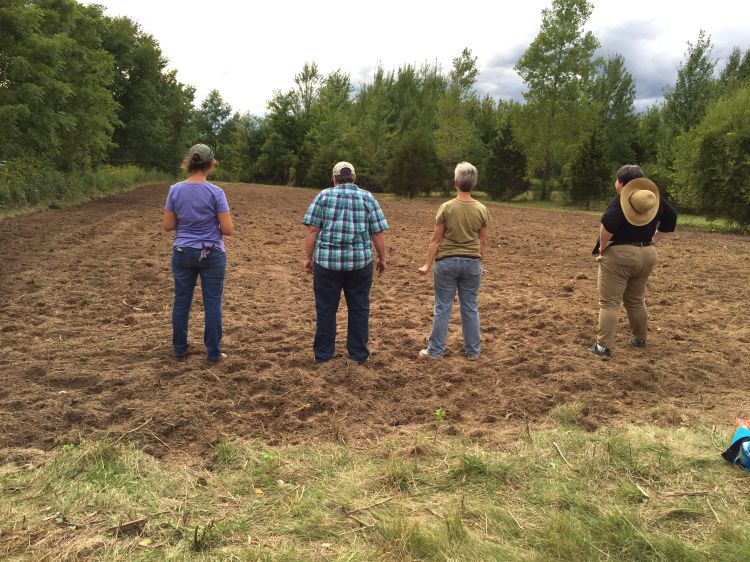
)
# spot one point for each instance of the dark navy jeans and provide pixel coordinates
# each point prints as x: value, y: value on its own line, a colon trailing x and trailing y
x: 328, y: 284
x: 186, y: 267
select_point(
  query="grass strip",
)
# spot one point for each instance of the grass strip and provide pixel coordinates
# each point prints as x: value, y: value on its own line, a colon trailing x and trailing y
x: 555, y: 493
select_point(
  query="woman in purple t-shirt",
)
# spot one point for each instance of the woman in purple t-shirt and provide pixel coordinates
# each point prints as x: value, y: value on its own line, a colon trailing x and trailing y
x: 199, y: 213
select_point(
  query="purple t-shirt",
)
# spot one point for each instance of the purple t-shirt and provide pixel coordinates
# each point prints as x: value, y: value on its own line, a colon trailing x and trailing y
x: 196, y: 206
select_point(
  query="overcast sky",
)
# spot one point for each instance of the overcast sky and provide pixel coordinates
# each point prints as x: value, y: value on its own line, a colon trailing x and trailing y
x: 247, y: 50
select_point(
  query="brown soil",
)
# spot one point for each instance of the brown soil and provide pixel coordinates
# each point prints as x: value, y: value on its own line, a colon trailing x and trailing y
x: 85, y: 332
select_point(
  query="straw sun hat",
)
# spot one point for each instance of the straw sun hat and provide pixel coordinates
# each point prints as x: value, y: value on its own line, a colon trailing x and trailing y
x: 639, y: 200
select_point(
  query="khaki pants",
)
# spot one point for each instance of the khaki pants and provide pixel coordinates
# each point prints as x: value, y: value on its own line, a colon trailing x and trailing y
x: 623, y: 272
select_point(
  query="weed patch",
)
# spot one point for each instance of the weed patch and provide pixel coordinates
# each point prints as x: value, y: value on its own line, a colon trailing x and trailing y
x: 637, y: 493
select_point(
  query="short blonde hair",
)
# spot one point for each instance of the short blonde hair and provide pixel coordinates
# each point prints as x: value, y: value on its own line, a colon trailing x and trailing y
x: 466, y: 176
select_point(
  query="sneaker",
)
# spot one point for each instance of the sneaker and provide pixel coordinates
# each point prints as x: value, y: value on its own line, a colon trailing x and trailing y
x: 473, y: 357
x: 221, y: 357
x: 637, y: 342
x: 600, y: 351
x: 426, y: 354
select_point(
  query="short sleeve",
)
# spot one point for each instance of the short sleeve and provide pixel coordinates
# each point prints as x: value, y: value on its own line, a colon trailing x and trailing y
x: 613, y: 217
x: 314, y: 214
x: 440, y: 217
x: 169, y: 205
x: 487, y: 217
x: 222, y: 205
x: 376, y: 218
x: 667, y: 217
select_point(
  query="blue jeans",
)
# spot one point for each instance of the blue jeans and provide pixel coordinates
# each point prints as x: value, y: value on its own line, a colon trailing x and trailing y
x: 186, y: 268
x: 464, y: 274
x: 327, y: 285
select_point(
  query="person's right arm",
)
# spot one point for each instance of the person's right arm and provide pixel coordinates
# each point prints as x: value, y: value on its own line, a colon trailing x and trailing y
x: 605, y: 237
x: 432, y: 249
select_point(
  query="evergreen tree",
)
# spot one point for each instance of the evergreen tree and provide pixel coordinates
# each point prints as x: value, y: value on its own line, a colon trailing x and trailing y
x: 587, y: 175
x: 329, y: 139
x: 414, y: 168
x: 373, y: 115
x: 505, y: 175
x: 613, y: 94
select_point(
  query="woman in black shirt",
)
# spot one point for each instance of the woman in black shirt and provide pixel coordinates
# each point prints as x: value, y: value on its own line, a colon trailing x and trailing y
x: 636, y: 218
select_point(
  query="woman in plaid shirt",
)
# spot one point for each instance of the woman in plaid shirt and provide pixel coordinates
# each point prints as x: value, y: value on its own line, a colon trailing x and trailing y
x: 343, y: 222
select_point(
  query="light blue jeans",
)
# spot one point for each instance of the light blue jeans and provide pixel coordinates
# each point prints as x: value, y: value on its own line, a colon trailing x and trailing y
x: 464, y: 274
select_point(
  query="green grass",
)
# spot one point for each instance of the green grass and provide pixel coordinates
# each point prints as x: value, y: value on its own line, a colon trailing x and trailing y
x: 557, y: 204
x: 684, y: 221
x: 27, y: 187
x: 636, y: 493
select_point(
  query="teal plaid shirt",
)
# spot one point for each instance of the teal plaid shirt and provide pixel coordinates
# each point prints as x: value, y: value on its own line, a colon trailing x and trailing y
x: 346, y: 216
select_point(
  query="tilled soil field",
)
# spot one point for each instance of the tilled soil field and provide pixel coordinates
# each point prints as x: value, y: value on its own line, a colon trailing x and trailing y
x: 85, y: 332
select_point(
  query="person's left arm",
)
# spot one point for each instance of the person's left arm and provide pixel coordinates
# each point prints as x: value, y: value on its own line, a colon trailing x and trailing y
x: 225, y: 223
x: 667, y: 221
x: 377, y: 225
x: 169, y: 217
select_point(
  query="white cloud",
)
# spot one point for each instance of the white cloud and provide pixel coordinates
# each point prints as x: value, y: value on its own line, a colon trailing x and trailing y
x: 247, y: 50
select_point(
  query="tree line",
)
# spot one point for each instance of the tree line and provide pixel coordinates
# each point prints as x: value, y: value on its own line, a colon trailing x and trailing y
x: 79, y: 89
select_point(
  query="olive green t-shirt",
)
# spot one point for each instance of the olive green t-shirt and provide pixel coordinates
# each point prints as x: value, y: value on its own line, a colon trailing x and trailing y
x: 463, y: 220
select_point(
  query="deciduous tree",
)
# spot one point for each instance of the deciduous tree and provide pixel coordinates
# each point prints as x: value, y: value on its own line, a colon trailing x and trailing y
x: 557, y: 68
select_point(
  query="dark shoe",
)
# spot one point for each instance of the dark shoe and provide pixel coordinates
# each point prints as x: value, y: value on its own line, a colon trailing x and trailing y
x: 637, y: 342
x: 183, y: 356
x: 221, y: 357
x: 600, y: 351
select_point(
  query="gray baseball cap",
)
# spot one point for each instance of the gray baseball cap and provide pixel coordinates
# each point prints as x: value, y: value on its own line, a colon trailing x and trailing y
x: 200, y: 154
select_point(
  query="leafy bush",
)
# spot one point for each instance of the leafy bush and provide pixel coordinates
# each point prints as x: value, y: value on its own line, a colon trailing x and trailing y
x: 28, y: 182
x: 712, y: 163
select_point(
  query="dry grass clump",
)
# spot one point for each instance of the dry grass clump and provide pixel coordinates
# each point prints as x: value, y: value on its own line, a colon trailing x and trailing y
x: 562, y: 493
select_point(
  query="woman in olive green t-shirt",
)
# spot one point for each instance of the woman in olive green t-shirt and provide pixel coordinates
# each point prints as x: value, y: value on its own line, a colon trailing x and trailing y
x: 458, y: 248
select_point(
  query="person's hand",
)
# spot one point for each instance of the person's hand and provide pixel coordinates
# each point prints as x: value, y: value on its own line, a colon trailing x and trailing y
x: 307, y: 265
x: 380, y: 267
x: 484, y: 271
x: 424, y: 269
